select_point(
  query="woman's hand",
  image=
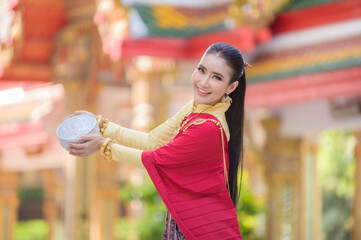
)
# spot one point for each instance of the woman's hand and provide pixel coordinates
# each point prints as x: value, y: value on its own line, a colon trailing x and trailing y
x: 89, y: 145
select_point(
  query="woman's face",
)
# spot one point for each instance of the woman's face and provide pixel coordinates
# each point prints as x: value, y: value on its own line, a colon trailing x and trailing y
x: 211, y: 80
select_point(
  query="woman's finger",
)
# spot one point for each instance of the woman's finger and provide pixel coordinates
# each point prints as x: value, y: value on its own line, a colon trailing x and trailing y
x: 89, y: 145
x: 89, y: 137
x: 77, y: 145
x: 76, y: 151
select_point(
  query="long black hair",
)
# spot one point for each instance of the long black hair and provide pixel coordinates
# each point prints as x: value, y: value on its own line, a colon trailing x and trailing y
x: 235, y: 113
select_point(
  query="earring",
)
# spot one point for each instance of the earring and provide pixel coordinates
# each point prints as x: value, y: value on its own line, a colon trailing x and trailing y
x: 227, y: 99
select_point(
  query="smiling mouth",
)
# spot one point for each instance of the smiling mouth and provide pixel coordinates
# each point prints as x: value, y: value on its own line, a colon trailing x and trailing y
x: 202, y: 92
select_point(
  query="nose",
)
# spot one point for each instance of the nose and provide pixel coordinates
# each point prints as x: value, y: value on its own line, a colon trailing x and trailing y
x: 204, y: 82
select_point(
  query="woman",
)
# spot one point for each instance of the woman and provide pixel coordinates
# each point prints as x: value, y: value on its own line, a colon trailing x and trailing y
x: 193, y: 157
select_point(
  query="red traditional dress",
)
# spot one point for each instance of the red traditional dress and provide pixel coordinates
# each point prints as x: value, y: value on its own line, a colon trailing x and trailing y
x: 189, y: 170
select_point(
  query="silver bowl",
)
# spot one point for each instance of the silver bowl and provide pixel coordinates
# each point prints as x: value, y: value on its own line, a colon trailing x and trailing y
x: 74, y: 127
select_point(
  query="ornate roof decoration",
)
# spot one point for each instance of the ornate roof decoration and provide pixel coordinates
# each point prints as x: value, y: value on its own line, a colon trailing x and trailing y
x: 315, y: 49
x: 315, y: 53
x: 298, y: 4
x: 256, y: 14
x: 30, y: 42
x: 177, y: 21
x: 6, y: 17
x: 307, y: 87
x: 179, y: 3
x: 316, y: 14
x: 176, y: 29
x: 309, y: 59
x: 7, y: 35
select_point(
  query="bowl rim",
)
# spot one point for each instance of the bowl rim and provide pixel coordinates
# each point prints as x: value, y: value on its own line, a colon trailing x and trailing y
x: 74, y: 139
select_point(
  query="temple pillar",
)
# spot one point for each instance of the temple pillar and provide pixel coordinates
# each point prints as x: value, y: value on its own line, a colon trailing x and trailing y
x: 80, y: 192
x: 282, y: 157
x: 150, y: 79
x: 9, y: 203
x: 294, y: 198
x: 311, y: 209
x: 105, y: 203
x: 356, y: 208
x: 50, y: 202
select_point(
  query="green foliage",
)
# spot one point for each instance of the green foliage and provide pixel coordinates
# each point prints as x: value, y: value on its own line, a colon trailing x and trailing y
x: 249, y: 211
x: 337, y: 163
x: 337, y: 166
x: 31, y: 230
x: 151, y: 224
x: 36, y: 193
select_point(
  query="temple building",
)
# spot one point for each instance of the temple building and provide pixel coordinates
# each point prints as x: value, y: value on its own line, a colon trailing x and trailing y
x: 131, y: 61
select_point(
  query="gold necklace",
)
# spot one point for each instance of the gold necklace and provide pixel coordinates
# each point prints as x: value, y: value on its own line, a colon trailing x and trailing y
x: 186, y: 121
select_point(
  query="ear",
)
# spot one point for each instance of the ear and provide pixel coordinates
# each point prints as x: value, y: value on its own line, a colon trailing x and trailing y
x: 232, y: 87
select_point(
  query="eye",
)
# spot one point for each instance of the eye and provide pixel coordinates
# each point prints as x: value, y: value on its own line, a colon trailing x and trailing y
x: 217, y: 78
x: 201, y: 70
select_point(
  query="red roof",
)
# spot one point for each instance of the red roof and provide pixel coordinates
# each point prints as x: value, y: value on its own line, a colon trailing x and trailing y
x: 243, y: 38
x: 343, y: 82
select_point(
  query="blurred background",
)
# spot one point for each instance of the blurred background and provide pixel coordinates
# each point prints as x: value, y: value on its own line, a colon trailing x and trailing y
x: 131, y: 61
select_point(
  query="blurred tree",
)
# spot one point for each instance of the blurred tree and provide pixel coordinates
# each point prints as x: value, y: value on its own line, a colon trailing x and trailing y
x: 31, y: 202
x: 337, y: 166
x: 151, y: 224
x: 250, y: 210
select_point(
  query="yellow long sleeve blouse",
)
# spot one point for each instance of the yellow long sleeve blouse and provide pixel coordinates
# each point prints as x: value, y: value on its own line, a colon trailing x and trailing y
x: 131, y: 143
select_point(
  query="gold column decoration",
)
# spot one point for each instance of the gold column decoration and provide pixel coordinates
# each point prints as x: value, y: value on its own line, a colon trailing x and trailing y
x: 356, y: 211
x: 311, y: 210
x: 9, y: 203
x: 111, y: 19
x: 151, y: 78
x: 14, y: 34
x: 282, y: 157
x: 105, y: 204
x: 80, y: 192
x: 85, y: 190
x: 256, y: 13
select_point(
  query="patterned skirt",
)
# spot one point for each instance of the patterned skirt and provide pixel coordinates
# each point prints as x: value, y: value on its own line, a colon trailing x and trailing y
x: 172, y: 231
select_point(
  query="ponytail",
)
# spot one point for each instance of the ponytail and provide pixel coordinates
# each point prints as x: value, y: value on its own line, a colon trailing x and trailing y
x: 235, y: 118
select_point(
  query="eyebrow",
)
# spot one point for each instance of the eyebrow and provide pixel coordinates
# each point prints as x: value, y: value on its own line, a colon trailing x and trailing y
x: 216, y: 73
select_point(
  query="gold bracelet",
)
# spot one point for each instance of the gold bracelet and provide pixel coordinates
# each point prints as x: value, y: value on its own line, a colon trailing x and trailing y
x: 107, y: 151
x: 104, y: 126
x: 104, y: 145
x: 99, y: 120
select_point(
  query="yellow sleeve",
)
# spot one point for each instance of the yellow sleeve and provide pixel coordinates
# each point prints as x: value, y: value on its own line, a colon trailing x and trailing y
x: 148, y: 141
x: 127, y: 155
